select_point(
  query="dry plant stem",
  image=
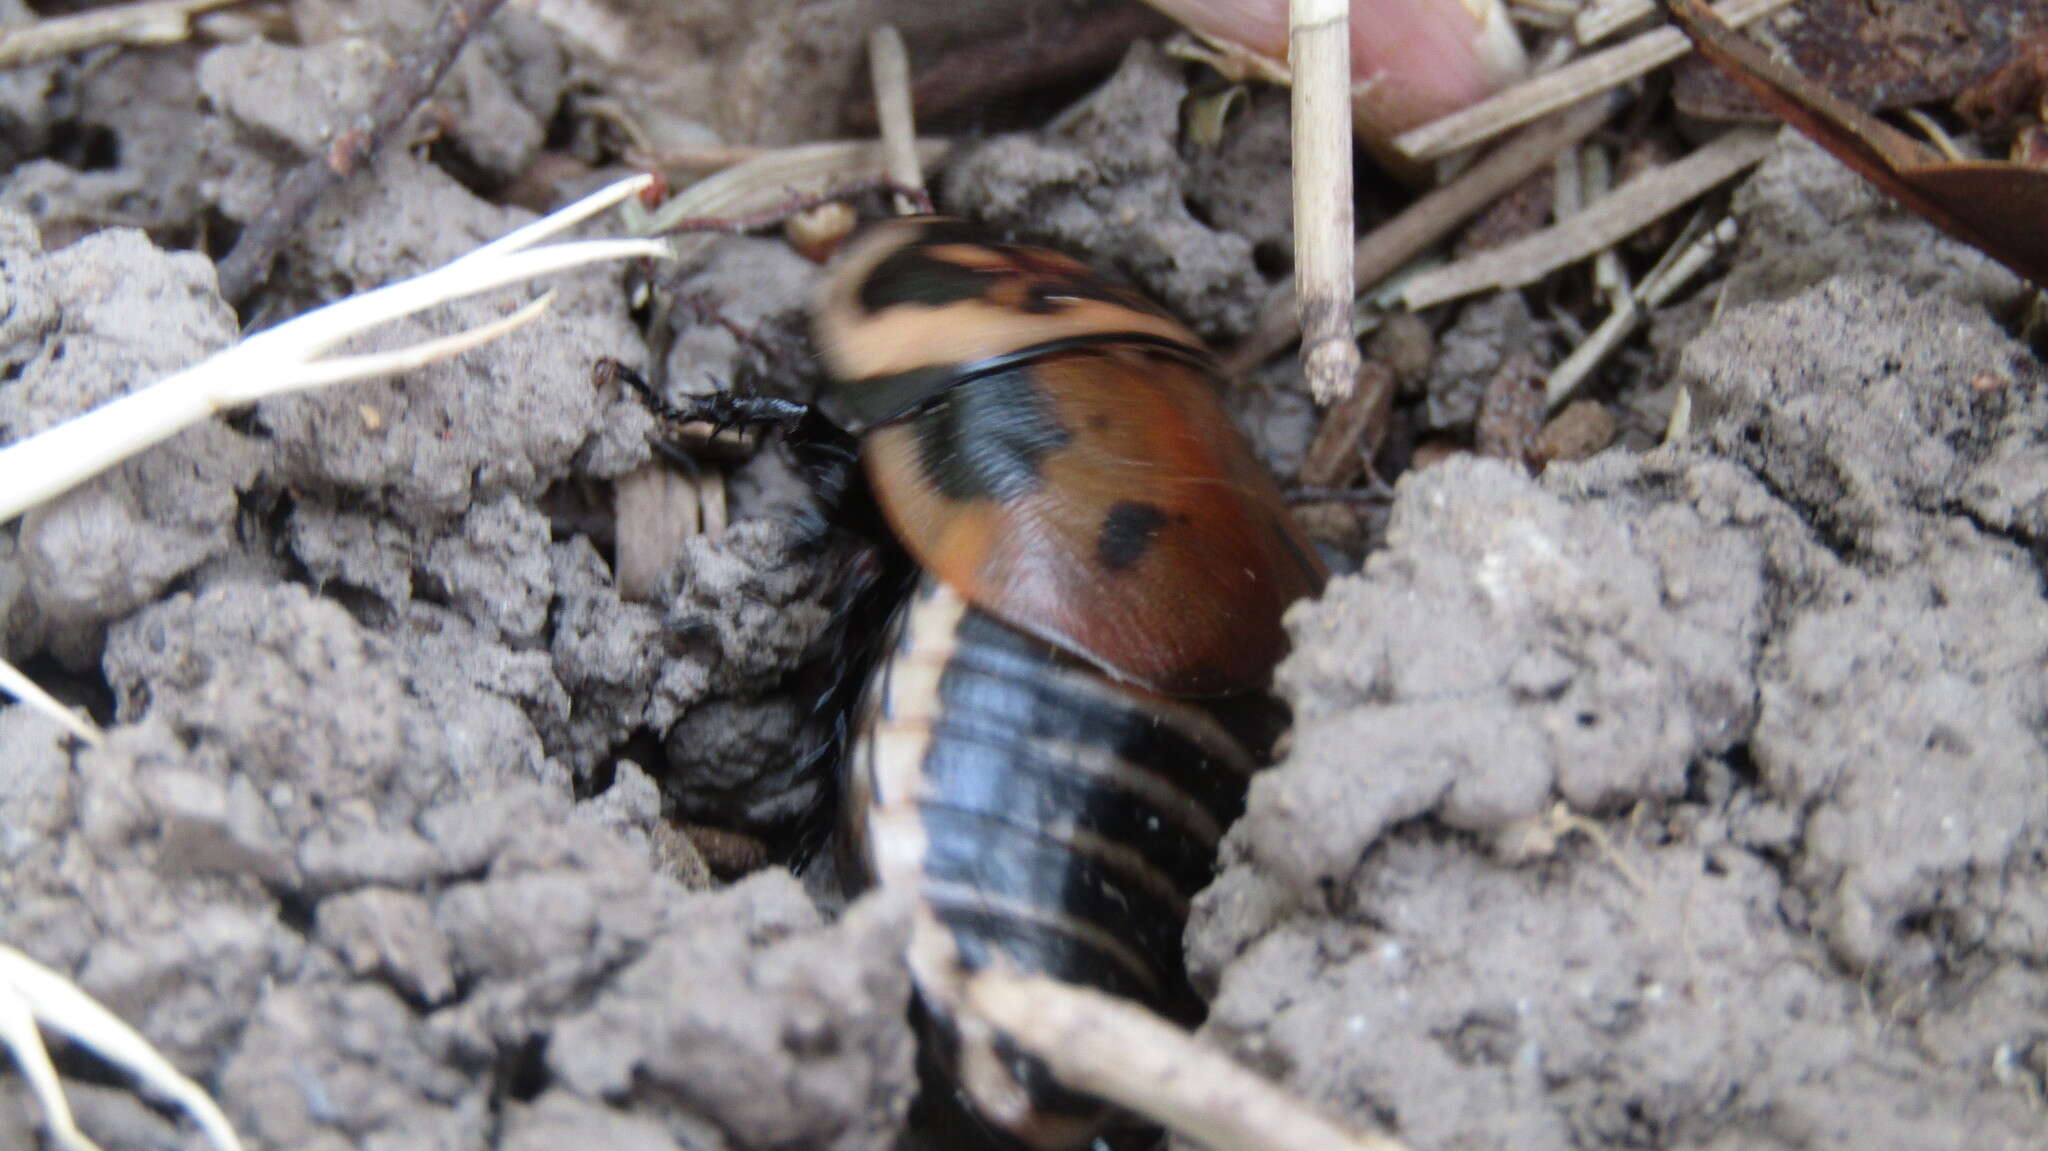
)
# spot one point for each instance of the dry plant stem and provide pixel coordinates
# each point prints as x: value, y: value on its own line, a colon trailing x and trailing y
x: 771, y: 179
x: 1670, y: 275
x: 1680, y: 424
x: 1610, y: 275
x: 28, y: 692
x: 1636, y: 204
x: 1115, y: 1049
x: 1386, y: 248
x: 694, y: 161
x: 1567, y: 85
x: 913, y: 194
x: 1548, y: 15
x: 31, y: 994
x: 1351, y: 432
x: 287, y: 358
x: 152, y: 22
x: 889, y: 66
x: 246, y: 266
x: 1321, y: 53
x: 1600, y: 19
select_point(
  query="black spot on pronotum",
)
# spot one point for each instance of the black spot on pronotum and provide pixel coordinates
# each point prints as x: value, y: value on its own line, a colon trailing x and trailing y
x: 1127, y: 534
x: 987, y: 437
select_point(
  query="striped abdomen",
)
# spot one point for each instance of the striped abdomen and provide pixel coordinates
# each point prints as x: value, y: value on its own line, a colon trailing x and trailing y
x: 1041, y: 814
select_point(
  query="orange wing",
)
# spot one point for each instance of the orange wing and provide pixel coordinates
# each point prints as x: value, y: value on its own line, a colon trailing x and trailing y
x: 1103, y: 500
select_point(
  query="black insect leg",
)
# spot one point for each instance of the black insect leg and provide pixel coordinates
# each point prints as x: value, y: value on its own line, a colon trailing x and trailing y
x: 823, y: 454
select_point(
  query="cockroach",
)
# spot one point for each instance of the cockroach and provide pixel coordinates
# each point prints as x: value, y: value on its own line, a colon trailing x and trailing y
x: 1071, y: 702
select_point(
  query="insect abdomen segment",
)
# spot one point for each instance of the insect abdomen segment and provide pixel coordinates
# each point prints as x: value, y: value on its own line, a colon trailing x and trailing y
x: 1043, y: 816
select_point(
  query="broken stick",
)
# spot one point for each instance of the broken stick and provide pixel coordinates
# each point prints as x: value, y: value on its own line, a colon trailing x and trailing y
x: 1321, y: 54
x: 245, y: 267
x: 1114, y: 1049
x: 1383, y: 251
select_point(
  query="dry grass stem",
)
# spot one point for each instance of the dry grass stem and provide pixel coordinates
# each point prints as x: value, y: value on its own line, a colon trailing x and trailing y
x: 889, y: 69
x: 1321, y: 53
x: 292, y: 357
x: 1119, y: 1051
x: 1596, y: 181
x: 1543, y: 15
x: 1600, y: 19
x: 1679, y: 266
x: 695, y: 161
x: 1567, y: 195
x: 288, y: 357
x: 153, y: 22
x: 1679, y: 425
x: 1567, y: 85
x: 1383, y: 251
x: 769, y: 179
x: 1636, y: 204
x: 21, y: 687
x: 32, y: 995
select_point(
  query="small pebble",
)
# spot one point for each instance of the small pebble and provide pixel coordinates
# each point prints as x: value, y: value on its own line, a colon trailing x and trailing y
x: 1582, y: 429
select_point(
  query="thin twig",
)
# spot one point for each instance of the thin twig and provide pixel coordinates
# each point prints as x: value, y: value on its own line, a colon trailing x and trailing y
x: 32, y: 994
x: 1602, y: 18
x: 1610, y: 275
x: 289, y: 358
x: 1567, y: 85
x: 1351, y: 432
x: 1382, y: 252
x: 912, y: 194
x: 1114, y: 1049
x: 1320, y: 49
x: 695, y: 161
x: 889, y: 69
x: 770, y: 179
x: 286, y: 358
x: 1641, y: 201
x: 1688, y: 256
x: 247, y: 265
x: 150, y: 22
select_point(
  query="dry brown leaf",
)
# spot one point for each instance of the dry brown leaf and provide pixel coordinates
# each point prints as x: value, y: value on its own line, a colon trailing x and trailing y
x: 1994, y: 206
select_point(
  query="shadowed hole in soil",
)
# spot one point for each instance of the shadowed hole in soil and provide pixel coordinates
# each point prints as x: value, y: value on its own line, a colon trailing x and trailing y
x: 448, y: 154
x: 296, y: 910
x: 88, y: 690
x: 1273, y: 258
x: 1740, y: 762
x: 85, y: 147
x: 579, y: 509
x: 215, y: 234
x: 522, y: 1073
x: 642, y: 747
